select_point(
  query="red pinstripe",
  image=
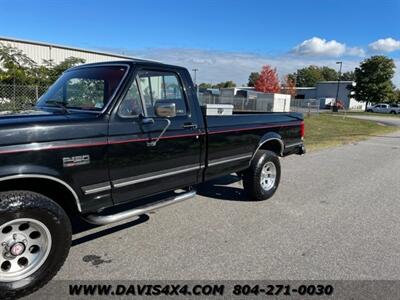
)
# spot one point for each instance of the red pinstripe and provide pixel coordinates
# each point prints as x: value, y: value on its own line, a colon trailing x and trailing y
x: 144, y: 139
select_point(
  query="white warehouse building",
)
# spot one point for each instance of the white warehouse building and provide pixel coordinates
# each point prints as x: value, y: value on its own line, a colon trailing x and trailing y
x: 38, y: 51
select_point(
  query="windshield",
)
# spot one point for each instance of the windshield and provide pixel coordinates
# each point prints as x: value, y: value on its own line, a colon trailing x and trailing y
x: 88, y: 88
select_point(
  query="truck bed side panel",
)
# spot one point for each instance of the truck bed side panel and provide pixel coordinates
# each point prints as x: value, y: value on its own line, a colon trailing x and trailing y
x: 232, y: 140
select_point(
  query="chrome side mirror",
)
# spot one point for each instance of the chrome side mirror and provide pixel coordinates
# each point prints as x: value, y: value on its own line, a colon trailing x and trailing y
x: 165, y: 110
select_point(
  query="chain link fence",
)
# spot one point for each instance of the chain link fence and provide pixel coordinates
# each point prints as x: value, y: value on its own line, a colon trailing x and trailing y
x: 242, y: 104
x: 18, y: 97
x: 305, y: 106
x: 239, y: 103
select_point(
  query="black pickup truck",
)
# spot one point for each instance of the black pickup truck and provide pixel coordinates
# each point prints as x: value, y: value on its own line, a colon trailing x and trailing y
x: 110, y: 134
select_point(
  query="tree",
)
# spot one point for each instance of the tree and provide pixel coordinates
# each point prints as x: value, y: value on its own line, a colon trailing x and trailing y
x: 374, y: 80
x: 226, y: 84
x: 253, y: 77
x: 268, y: 81
x: 204, y: 86
x: 289, y: 86
x: 310, y: 75
x: 17, y: 68
x: 329, y: 74
x: 53, y: 71
x: 396, y: 98
x: 348, y: 76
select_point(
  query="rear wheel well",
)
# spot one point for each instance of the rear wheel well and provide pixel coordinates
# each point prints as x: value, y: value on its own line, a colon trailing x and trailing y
x: 273, y: 145
x: 49, y: 188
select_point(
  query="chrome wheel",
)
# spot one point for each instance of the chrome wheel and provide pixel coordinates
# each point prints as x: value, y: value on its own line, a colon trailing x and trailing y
x: 268, y: 176
x: 24, y: 246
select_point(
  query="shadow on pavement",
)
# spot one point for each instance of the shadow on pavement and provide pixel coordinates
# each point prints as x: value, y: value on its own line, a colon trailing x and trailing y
x: 79, y: 226
x: 219, y: 189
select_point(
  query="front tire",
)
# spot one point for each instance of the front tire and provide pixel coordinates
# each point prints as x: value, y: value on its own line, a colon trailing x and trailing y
x: 261, y: 179
x: 35, y: 238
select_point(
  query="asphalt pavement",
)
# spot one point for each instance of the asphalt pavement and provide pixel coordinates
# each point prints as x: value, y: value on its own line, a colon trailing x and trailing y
x: 393, y: 120
x: 335, y: 216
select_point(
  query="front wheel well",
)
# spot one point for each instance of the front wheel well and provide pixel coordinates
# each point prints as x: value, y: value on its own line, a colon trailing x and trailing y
x: 47, y: 187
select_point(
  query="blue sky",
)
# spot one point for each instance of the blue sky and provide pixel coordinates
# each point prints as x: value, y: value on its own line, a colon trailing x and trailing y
x: 221, y: 38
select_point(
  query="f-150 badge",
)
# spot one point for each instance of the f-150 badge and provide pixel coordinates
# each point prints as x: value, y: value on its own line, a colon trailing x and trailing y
x: 76, y: 161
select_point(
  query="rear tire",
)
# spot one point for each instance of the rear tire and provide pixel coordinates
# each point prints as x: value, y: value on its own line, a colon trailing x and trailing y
x: 261, y: 179
x: 35, y: 238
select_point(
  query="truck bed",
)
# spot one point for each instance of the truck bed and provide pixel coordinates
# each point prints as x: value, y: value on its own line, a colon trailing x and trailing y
x: 238, y: 135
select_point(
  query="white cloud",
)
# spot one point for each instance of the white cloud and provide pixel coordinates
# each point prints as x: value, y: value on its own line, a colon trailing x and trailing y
x: 385, y: 45
x: 217, y: 66
x: 355, y: 51
x: 321, y: 47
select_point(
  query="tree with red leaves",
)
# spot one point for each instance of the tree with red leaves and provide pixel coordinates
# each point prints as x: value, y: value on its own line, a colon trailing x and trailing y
x: 289, y: 86
x: 268, y: 81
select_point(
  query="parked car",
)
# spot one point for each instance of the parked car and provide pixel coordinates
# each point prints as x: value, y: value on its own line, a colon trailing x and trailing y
x: 339, y: 104
x: 394, y: 109
x: 112, y: 133
x: 384, y: 108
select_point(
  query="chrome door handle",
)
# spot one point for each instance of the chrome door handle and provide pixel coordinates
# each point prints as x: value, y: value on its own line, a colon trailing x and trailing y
x: 190, y: 125
x: 147, y: 121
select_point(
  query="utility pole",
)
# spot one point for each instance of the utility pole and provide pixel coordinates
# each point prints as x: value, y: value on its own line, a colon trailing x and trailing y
x: 335, y: 108
x: 195, y: 76
x: 195, y: 81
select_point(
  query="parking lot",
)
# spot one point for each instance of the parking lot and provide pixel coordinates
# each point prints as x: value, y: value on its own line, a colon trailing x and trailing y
x: 335, y: 216
x: 392, y: 120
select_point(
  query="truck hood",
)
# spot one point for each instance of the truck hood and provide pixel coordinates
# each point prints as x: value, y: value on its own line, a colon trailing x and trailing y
x: 22, y: 116
x: 48, y: 125
x: 38, y: 115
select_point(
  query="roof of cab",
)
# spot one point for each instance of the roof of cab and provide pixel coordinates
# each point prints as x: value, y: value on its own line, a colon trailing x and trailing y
x: 130, y: 62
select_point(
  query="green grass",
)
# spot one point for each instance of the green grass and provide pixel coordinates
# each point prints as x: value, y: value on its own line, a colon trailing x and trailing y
x: 325, y: 130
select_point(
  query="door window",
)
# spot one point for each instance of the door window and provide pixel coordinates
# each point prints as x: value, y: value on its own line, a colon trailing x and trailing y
x: 161, y: 86
x: 131, y: 105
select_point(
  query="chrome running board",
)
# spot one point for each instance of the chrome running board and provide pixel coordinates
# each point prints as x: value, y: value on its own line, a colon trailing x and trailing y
x: 107, y: 219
